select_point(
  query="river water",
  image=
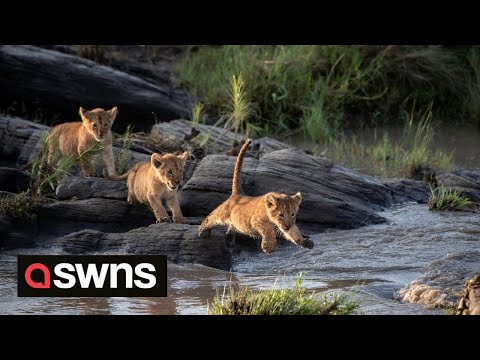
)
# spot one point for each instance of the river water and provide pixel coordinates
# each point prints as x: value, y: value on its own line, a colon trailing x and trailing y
x: 370, y: 263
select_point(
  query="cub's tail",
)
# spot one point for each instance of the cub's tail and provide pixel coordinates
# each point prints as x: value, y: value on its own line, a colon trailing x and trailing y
x: 237, y: 174
x: 115, y: 177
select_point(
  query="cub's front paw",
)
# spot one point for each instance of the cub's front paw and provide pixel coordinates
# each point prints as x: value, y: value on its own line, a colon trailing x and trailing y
x: 307, y: 243
x: 163, y: 219
x: 268, y: 249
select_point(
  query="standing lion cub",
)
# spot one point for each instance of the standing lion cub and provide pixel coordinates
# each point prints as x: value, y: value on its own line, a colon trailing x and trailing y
x: 74, y: 138
x: 157, y: 180
x: 260, y: 216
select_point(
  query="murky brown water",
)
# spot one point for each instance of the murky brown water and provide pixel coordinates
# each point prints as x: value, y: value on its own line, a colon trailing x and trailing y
x: 464, y: 141
x: 373, y: 261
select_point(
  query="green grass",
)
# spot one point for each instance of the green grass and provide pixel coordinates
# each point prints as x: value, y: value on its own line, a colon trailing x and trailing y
x: 125, y: 156
x: 394, y: 156
x: 197, y: 116
x: 97, y: 53
x: 326, y: 88
x: 18, y: 206
x: 447, y: 199
x: 45, y: 175
x: 278, y: 301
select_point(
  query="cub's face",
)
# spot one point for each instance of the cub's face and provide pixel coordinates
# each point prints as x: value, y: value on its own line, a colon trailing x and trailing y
x: 282, y: 209
x: 98, y: 121
x: 169, y: 168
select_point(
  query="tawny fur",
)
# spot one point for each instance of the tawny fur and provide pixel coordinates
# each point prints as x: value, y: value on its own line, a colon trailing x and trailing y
x: 74, y: 138
x: 151, y: 182
x: 260, y: 216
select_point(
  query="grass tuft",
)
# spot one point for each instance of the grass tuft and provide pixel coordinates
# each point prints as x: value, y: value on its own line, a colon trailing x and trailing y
x: 277, y: 301
x: 45, y: 175
x: 447, y: 199
x: 124, y: 157
x: 18, y: 206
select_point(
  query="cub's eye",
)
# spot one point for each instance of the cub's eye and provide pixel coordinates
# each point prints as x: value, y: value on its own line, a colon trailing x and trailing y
x: 170, y: 172
x: 281, y: 216
x: 293, y: 215
x: 94, y: 126
x: 106, y: 125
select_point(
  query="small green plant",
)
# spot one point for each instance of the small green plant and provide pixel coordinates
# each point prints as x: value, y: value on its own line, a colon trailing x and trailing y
x: 278, y: 301
x: 239, y: 108
x: 48, y: 169
x: 442, y: 160
x: 96, y: 53
x: 447, y: 199
x: 197, y: 115
x: 419, y: 152
x: 18, y: 206
x: 124, y: 157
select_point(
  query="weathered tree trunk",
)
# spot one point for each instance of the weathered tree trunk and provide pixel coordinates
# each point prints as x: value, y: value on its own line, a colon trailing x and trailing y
x: 470, y: 302
x: 59, y: 83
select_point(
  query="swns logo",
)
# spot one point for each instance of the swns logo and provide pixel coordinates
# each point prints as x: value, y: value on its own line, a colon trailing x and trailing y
x: 95, y: 275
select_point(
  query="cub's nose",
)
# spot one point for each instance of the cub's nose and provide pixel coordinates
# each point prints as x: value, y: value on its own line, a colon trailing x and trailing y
x: 100, y: 134
x: 286, y: 227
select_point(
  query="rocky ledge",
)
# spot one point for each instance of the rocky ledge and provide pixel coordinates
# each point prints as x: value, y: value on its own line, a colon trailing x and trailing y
x: 91, y: 214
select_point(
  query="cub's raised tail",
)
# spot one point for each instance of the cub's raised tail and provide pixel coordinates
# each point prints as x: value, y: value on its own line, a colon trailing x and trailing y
x: 237, y: 174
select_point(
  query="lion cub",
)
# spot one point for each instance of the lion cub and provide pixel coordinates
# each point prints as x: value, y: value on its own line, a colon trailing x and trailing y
x: 74, y: 138
x: 157, y: 180
x: 260, y: 216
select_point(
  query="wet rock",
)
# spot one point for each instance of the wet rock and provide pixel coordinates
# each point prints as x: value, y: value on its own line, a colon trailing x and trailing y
x: 180, y: 242
x: 466, y: 182
x: 404, y: 190
x: 16, y: 233
x: 14, y: 180
x: 66, y: 82
x: 470, y: 302
x: 441, y: 285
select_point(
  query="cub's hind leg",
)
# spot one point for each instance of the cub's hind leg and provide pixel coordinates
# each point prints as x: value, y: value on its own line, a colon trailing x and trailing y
x: 217, y: 217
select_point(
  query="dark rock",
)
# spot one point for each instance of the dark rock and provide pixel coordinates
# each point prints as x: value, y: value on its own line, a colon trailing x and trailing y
x: 97, y: 210
x: 404, y: 190
x: 91, y: 187
x: 63, y: 82
x: 14, y: 180
x: 219, y: 142
x: 180, y: 242
x: 464, y: 181
x: 16, y: 233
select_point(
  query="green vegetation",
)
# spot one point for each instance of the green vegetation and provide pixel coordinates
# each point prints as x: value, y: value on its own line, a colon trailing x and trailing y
x: 18, y: 206
x: 404, y: 156
x: 35, y: 112
x: 443, y: 198
x: 96, y: 53
x: 124, y: 157
x: 296, y: 301
x: 46, y: 173
x: 322, y: 90
x: 197, y: 115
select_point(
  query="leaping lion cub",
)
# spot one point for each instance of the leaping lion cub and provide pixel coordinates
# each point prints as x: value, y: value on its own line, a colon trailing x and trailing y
x: 74, y: 138
x: 157, y: 180
x: 260, y: 216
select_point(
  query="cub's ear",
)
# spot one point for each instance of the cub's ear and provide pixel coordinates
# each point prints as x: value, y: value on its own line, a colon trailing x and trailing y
x: 113, y: 112
x: 270, y: 201
x: 156, y: 160
x: 297, y: 198
x: 83, y: 114
x: 184, y: 156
